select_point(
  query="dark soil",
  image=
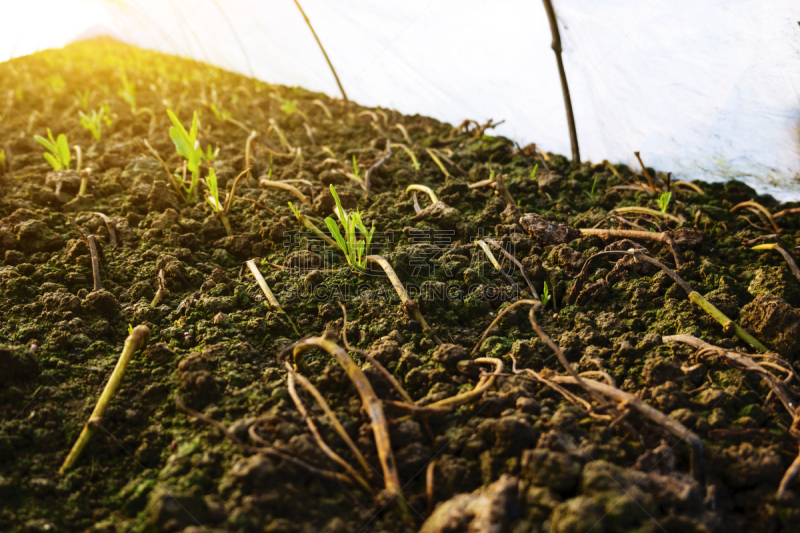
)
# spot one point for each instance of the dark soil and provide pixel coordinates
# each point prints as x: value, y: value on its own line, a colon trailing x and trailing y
x: 518, y: 458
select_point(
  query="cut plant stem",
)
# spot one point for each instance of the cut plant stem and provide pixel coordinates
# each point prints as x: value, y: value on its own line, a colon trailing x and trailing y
x: 324, y: 108
x: 670, y: 424
x: 371, y: 170
x: 484, y: 383
x: 374, y: 362
x: 556, y: 46
x: 781, y: 249
x: 495, y: 263
x: 334, y: 420
x: 95, y: 261
x: 560, y: 354
x: 248, y: 150
x: 251, y: 264
x: 760, y: 208
x: 85, y: 174
x: 162, y: 291
x: 372, y: 405
x: 728, y: 325
x: 692, y: 186
x: 110, y: 226
x: 407, y: 150
x: 662, y: 237
x: 226, y: 208
x: 305, y: 221
x: 136, y: 340
x: 170, y: 176
x: 409, y: 306
x: 775, y: 384
x: 79, y: 161
x: 788, y: 477
x: 286, y: 187
x: 648, y: 211
x: 438, y: 162
x: 335, y: 457
x: 514, y: 260
x: 423, y: 188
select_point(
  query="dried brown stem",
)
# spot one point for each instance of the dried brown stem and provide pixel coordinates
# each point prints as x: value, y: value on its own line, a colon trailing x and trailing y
x: 497, y: 319
x: 429, y: 487
x: 781, y: 249
x: 327, y: 59
x: 335, y: 457
x: 485, y: 382
x: 372, y: 406
x: 95, y: 262
x: 646, y: 173
x: 788, y: 477
x: 662, y: 237
x: 371, y: 170
x: 110, y: 226
x: 251, y: 264
x: 519, y: 265
x: 286, y: 187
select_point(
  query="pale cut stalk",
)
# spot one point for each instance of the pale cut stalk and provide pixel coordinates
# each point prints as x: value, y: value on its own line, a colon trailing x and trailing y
x: 670, y: 424
x: 438, y: 162
x: 648, y: 211
x: 785, y: 253
x: 760, y: 208
x: 423, y: 188
x: 642, y: 235
x: 372, y: 406
x: 110, y: 226
x: 335, y: 457
x: 324, y: 108
x: 79, y: 162
x: 404, y: 131
x: 248, y: 150
x: 286, y: 187
x: 95, y: 261
x: 136, y: 340
x: 410, y: 306
x: 334, y: 420
x: 466, y: 397
x: 268, y: 293
x: 407, y: 150
x: 519, y: 265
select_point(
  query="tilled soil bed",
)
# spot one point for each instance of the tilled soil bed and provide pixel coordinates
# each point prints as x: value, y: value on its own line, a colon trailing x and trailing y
x: 594, y: 408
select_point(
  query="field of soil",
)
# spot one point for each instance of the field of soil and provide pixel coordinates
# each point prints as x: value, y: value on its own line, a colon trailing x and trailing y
x: 631, y: 367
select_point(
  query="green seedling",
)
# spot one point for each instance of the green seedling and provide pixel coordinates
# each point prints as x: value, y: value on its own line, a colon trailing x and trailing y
x: 59, y: 156
x: 663, y: 201
x: 187, y: 146
x: 590, y: 194
x: 2, y: 160
x: 210, y: 155
x: 355, y: 250
x: 94, y: 121
x: 533, y: 172
x: 356, y: 170
x: 545, y: 295
x: 212, y: 198
x: 82, y: 99
x: 222, y: 116
x: 127, y: 91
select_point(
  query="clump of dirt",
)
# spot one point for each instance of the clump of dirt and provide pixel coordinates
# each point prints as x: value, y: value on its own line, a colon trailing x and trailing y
x: 203, y: 433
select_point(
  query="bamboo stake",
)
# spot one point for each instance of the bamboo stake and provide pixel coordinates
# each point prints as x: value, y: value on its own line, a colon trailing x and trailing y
x: 556, y: 46
x: 136, y: 340
x: 310, y: 27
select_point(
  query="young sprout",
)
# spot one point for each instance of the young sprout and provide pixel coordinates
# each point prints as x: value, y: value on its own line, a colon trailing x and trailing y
x: 356, y: 170
x: 187, y: 146
x: 59, y: 156
x: 407, y: 150
x: 355, y: 250
x: 590, y: 194
x: 82, y: 98
x: 210, y: 155
x: 127, y: 91
x: 310, y: 225
x: 535, y: 168
x: 94, y: 121
x: 2, y: 160
x: 222, y: 116
x: 212, y: 198
x: 545, y: 295
x: 663, y: 201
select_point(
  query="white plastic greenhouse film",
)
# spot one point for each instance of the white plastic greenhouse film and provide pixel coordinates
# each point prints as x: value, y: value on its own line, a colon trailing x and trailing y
x: 706, y: 90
